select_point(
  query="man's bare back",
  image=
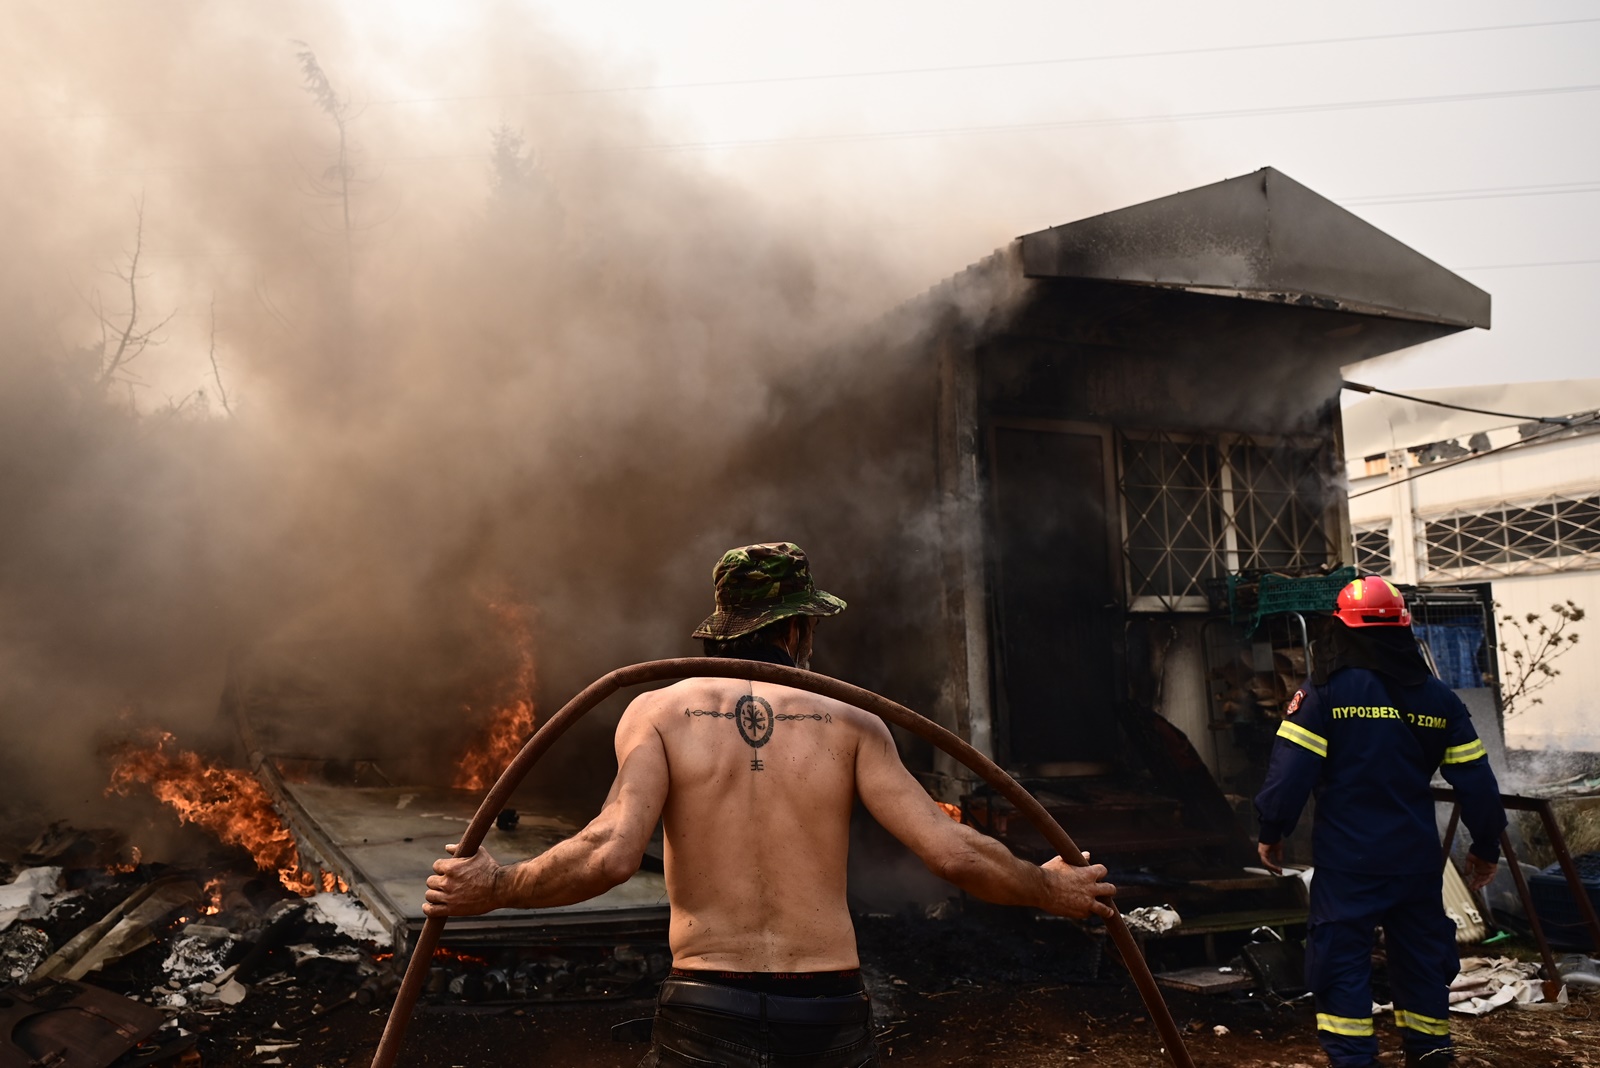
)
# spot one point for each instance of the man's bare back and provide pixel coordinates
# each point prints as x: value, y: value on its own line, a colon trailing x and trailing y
x: 754, y: 785
x: 757, y: 822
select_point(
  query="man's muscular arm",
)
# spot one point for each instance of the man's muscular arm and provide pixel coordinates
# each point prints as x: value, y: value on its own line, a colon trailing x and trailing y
x: 959, y: 854
x: 602, y: 855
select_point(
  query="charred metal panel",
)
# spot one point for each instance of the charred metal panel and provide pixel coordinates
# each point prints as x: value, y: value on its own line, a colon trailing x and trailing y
x: 1261, y: 236
x: 383, y: 842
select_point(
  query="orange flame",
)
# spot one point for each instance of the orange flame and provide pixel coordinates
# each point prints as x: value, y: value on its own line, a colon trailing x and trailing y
x: 228, y: 802
x: 513, y: 719
x: 953, y: 811
x: 213, y: 903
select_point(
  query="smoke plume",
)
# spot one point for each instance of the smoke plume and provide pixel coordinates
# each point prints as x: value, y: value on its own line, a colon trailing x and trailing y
x: 427, y: 350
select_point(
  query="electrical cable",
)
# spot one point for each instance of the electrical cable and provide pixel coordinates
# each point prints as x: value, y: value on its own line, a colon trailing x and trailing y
x: 1358, y: 387
x: 1132, y: 120
x: 1490, y: 193
x: 1530, y: 439
x: 1107, y: 57
x: 886, y: 73
x: 1510, y: 266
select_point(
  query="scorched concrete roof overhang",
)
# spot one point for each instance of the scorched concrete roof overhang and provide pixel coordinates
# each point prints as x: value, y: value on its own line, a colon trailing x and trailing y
x: 1261, y: 236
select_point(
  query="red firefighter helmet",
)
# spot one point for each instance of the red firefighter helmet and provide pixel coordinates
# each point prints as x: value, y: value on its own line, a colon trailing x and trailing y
x: 1371, y: 601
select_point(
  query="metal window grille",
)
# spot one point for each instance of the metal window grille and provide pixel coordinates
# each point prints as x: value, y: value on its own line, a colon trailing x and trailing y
x: 1174, y: 536
x: 1557, y: 533
x: 1280, y: 507
x: 1374, y: 550
x: 1196, y: 508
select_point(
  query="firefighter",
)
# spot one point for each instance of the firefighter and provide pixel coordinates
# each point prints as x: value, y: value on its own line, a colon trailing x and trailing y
x: 1366, y: 733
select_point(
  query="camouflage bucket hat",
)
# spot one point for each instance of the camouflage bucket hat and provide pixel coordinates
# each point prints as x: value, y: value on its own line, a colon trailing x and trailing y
x: 760, y: 584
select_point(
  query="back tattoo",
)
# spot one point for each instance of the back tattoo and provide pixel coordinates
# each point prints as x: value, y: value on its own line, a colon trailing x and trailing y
x: 755, y: 719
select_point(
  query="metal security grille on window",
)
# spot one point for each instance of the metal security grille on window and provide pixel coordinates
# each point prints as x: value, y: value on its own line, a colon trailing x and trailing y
x: 1553, y: 534
x: 1198, y: 508
x: 1374, y: 553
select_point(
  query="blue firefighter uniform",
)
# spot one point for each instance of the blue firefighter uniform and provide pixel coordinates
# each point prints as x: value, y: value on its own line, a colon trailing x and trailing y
x: 1368, y: 746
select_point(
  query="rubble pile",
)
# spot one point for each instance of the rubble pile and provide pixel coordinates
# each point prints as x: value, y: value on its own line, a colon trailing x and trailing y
x: 169, y: 958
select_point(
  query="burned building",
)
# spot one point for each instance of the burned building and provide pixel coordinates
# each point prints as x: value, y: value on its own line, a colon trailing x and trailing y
x: 1156, y: 412
x: 1135, y: 462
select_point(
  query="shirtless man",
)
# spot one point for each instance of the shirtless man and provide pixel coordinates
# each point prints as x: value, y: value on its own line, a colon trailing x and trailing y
x: 754, y: 785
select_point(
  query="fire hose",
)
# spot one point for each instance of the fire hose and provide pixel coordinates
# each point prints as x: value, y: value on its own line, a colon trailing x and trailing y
x: 704, y: 667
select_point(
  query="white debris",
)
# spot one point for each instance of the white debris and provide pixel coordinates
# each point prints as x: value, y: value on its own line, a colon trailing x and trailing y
x: 1219, y: 1030
x: 304, y: 951
x: 22, y: 949
x: 1487, y: 983
x: 1153, y: 919
x: 28, y: 895
x: 197, y: 953
x: 232, y: 992
x: 274, y: 1047
x: 350, y: 917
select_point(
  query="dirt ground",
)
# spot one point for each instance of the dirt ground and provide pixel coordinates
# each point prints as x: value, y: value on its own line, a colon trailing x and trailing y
x: 1019, y: 1026
x: 970, y: 992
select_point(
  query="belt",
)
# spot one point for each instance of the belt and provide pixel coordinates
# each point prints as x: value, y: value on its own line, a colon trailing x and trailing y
x: 775, y: 1008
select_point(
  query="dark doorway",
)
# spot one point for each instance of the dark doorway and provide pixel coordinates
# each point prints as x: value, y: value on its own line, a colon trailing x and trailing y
x: 1056, y: 607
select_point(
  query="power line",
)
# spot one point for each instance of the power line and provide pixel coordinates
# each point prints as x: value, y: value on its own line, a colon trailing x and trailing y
x: 1487, y: 193
x: 1064, y: 124
x: 1359, y: 387
x: 1436, y: 468
x: 893, y: 72
x: 1133, y: 120
x: 1101, y: 58
x: 1512, y: 266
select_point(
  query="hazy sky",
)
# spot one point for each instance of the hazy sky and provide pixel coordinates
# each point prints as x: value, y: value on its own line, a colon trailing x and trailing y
x: 843, y: 60
x: 935, y: 131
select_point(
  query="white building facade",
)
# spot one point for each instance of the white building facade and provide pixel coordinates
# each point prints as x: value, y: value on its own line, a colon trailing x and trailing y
x: 1447, y: 498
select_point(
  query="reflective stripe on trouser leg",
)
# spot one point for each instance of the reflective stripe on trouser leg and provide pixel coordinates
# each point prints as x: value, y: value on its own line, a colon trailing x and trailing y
x: 1420, y: 942
x: 1431, y: 1026
x: 1339, y: 940
x: 1349, y: 1026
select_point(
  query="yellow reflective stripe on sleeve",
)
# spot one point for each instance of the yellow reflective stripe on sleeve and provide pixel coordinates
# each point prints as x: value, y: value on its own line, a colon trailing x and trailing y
x: 1300, y: 736
x: 1345, y: 1025
x: 1428, y: 1025
x: 1461, y: 754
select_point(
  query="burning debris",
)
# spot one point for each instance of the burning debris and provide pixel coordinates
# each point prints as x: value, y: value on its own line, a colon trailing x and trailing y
x: 228, y: 802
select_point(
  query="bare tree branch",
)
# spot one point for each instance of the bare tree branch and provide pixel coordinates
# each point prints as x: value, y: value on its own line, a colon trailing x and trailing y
x: 341, y: 173
x: 1528, y: 651
x: 216, y: 372
x: 122, y: 342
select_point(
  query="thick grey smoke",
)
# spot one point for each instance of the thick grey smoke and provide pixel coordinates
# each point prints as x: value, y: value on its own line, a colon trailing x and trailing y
x: 522, y: 369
